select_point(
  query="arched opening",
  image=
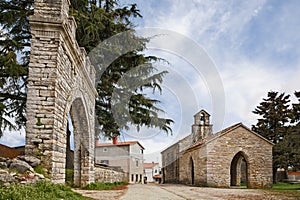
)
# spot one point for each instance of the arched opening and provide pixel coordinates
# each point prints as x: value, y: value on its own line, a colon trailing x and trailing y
x: 192, y: 171
x: 78, y: 128
x: 69, y: 173
x: 239, y: 170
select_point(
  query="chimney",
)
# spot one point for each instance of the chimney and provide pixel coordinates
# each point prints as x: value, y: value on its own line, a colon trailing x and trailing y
x: 115, y: 139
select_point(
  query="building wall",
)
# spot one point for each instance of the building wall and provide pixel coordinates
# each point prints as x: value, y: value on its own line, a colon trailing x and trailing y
x: 258, y: 154
x: 136, y: 164
x: 150, y: 172
x: 128, y: 157
x: 199, y: 157
x: 170, y: 164
x: 117, y: 156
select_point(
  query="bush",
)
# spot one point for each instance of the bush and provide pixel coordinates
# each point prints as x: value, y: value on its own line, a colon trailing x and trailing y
x: 103, y: 186
x: 41, y: 190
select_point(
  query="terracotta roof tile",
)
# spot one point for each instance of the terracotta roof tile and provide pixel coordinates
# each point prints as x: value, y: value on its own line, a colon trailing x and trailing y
x: 8, y: 152
x: 118, y: 144
x: 149, y: 165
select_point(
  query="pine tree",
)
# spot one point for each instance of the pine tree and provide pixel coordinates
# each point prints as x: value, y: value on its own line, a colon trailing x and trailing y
x: 100, y: 20
x: 273, y: 125
x: 14, y: 59
x: 97, y: 20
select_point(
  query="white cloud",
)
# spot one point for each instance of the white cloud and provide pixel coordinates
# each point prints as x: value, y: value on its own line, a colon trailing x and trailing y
x: 13, y: 138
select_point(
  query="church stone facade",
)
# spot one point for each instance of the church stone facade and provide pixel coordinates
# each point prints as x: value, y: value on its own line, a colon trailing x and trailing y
x: 224, y: 159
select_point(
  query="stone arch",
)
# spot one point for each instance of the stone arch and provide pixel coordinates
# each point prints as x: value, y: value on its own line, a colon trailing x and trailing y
x: 81, y: 141
x: 61, y: 80
x: 192, y: 170
x: 239, y: 169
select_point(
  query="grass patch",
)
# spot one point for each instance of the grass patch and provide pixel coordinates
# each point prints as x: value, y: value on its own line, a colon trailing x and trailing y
x: 103, y: 186
x: 41, y: 190
x: 286, y: 186
x: 40, y: 170
x: 70, y: 177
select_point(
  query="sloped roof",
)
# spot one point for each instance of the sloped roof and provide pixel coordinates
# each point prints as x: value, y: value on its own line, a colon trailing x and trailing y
x: 149, y: 165
x: 119, y: 144
x: 201, y: 111
x: 219, y: 134
x: 8, y: 152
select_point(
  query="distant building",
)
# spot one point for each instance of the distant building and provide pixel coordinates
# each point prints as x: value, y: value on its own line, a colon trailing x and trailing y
x: 9, y: 152
x: 224, y: 159
x: 151, y: 171
x: 127, y: 156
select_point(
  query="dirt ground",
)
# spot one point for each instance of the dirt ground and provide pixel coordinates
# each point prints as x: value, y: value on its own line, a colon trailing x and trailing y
x: 182, y: 192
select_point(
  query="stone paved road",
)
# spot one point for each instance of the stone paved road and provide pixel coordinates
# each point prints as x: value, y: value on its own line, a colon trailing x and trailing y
x: 182, y: 192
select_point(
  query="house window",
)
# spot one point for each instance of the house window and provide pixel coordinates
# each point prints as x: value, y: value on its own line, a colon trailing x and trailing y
x: 105, y: 150
x: 155, y: 171
x: 137, y: 163
x: 104, y: 162
x: 132, y: 177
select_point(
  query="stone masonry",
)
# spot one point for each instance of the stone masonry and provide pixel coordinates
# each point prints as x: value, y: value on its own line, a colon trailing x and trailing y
x: 61, y: 81
x: 216, y: 159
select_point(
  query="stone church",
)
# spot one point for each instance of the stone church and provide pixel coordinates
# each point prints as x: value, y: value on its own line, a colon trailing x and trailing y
x: 231, y: 157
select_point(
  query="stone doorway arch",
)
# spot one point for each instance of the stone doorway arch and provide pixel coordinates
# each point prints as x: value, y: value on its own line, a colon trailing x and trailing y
x: 61, y: 81
x: 239, y: 169
x: 192, y: 171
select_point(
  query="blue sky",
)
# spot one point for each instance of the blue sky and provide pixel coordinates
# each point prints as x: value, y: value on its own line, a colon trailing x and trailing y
x: 253, y: 45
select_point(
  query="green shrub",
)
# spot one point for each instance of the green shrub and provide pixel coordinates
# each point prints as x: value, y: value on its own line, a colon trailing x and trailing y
x: 103, y: 186
x: 41, y: 190
x: 286, y: 186
x: 70, y: 177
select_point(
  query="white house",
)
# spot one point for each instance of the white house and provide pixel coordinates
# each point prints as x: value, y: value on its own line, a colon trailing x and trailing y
x: 127, y: 156
x: 151, y: 171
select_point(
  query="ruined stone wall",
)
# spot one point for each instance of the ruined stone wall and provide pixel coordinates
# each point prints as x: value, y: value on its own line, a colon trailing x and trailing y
x: 108, y: 175
x: 257, y: 151
x: 61, y: 80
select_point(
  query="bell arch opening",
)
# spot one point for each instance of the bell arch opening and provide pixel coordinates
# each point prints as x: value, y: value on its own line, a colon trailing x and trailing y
x: 239, y: 170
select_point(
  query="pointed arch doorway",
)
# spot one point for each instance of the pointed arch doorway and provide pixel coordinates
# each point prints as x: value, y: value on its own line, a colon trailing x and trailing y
x: 239, y: 170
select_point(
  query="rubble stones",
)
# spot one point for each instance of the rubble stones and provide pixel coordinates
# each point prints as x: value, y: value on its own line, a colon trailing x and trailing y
x: 20, y: 166
x: 22, y: 173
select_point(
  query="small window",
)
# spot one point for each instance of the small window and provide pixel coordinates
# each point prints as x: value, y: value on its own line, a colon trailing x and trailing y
x: 142, y: 151
x: 137, y: 163
x: 104, y: 162
x: 155, y: 171
x: 105, y: 150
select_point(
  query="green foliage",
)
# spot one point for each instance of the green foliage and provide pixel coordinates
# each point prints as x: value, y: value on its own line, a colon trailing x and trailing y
x: 40, y: 190
x: 41, y: 170
x: 103, y: 186
x: 279, y: 123
x: 122, y: 84
x: 14, y: 59
x: 97, y: 21
x: 285, y: 186
x: 70, y: 177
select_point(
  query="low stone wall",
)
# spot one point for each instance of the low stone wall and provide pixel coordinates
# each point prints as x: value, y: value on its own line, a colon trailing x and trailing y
x: 108, y: 175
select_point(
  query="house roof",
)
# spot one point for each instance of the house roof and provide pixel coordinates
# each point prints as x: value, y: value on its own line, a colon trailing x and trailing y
x: 149, y: 165
x: 8, y: 152
x: 119, y: 144
x: 213, y: 137
x: 157, y: 176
